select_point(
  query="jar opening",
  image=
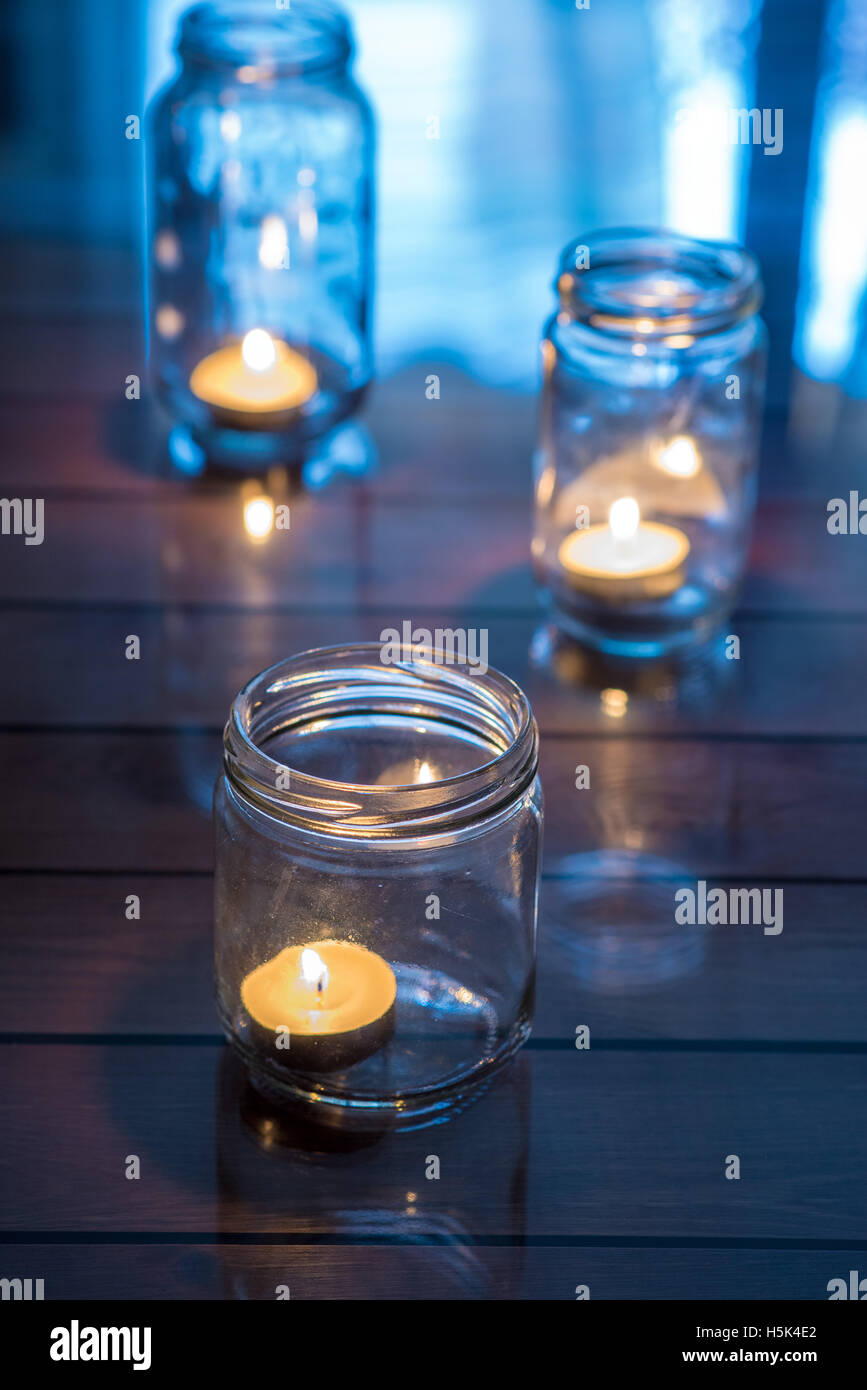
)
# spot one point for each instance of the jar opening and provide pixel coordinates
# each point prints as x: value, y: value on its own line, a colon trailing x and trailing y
x: 336, y: 741
x: 263, y: 40
x: 656, y: 284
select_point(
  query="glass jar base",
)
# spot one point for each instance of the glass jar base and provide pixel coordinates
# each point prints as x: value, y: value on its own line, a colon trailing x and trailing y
x: 356, y: 1115
x: 251, y: 451
x: 358, y: 1105
x: 689, y: 618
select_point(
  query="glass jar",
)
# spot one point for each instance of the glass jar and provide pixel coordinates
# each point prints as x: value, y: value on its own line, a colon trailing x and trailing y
x: 259, y: 173
x: 645, y: 476
x: 377, y: 860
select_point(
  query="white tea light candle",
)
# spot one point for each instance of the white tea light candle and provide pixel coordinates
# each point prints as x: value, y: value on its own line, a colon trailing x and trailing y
x: 332, y: 1003
x: 249, y: 383
x: 625, y: 559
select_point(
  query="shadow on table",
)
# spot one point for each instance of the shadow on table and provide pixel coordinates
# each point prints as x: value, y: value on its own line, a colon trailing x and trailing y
x: 443, y: 1208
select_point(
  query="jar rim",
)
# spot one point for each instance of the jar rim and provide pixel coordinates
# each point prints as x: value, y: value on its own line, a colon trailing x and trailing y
x: 655, y: 284
x: 330, y: 679
x: 263, y: 40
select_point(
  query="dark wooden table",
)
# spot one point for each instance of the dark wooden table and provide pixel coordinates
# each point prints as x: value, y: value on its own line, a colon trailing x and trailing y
x: 604, y: 1167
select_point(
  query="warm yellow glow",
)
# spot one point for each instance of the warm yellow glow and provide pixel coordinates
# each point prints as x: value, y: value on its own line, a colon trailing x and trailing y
x: 258, y: 351
x: 624, y: 517
x: 614, y: 703
x: 663, y: 288
x: 545, y: 485
x: 259, y: 517
x: 255, y: 377
x: 167, y: 251
x: 273, y: 243
x: 424, y: 773
x: 680, y: 457
x: 314, y: 971
x: 170, y: 321
x: 250, y: 73
x: 335, y: 999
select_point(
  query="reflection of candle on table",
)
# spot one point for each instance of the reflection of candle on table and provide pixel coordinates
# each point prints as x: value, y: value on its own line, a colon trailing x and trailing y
x: 251, y: 384
x: 259, y: 517
x: 626, y: 558
x: 333, y: 1002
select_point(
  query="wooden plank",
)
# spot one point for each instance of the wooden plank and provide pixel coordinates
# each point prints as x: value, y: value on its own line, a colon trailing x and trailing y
x: 108, y: 974
x: 610, y: 956
x: 82, y: 356
x: 706, y: 808
x: 50, y: 280
x: 340, y: 550
x: 475, y: 441
x: 184, y: 1270
x: 630, y: 1145
x: 347, y: 549
x: 794, y: 676
x: 84, y: 446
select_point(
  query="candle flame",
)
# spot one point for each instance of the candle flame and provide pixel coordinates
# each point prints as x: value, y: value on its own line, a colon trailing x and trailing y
x: 624, y: 517
x: 425, y: 773
x: 258, y: 351
x: 314, y: 971
x: 680, y: 457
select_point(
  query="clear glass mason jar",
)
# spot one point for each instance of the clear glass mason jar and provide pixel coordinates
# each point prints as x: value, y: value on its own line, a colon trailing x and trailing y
x: 645, y: 475
x: 377, y: 858
x: 260, y: 195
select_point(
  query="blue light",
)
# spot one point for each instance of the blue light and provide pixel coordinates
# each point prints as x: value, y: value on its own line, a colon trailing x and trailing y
x: 834, y: 257
x: 707, y: 77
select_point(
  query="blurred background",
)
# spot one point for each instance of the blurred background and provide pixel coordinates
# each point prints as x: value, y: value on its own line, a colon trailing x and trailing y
x: 506, y: 128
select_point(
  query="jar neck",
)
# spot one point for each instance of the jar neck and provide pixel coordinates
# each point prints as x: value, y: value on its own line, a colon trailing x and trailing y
x: 259, y: 41
x: 332, y: 682
x: 656, y: 286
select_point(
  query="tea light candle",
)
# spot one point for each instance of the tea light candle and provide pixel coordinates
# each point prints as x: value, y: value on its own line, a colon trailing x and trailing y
x: 625, y: 559
x: 252, y: 384
x: 333, y: 1001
